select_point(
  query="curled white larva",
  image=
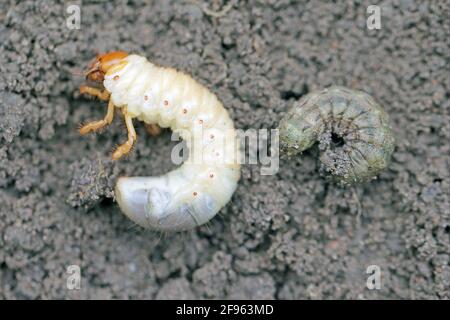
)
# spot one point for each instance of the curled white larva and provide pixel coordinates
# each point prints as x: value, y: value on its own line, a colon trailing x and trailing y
x: 192, y: 194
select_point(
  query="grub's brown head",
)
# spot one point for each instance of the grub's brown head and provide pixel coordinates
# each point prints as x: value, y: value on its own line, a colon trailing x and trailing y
x: 103, y: 63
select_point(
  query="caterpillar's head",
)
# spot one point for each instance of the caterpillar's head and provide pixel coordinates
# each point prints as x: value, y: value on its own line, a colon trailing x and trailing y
x: 103, y: 63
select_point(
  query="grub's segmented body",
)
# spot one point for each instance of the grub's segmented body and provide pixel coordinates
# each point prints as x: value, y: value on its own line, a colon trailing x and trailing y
x: 353, y: 132
x: 193, y: 193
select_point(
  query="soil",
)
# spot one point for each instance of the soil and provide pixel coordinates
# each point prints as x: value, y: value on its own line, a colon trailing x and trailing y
x: 292, y: 235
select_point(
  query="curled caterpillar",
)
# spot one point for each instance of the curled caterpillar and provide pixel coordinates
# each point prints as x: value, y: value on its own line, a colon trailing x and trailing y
x: 353, y: 132
x: 192, y: 194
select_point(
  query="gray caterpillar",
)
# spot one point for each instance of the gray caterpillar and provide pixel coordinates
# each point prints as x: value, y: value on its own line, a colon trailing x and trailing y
x: 355, y: 140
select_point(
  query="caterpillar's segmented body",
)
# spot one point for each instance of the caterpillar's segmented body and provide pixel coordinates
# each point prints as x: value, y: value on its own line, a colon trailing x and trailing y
x: 192, y: 194
x: 352, y: 116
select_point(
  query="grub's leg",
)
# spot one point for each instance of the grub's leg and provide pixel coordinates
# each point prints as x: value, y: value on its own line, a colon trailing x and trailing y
x: 153, y: 129
x: 125, y: 148
x: 96, y: 125
x: 101, y: 94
